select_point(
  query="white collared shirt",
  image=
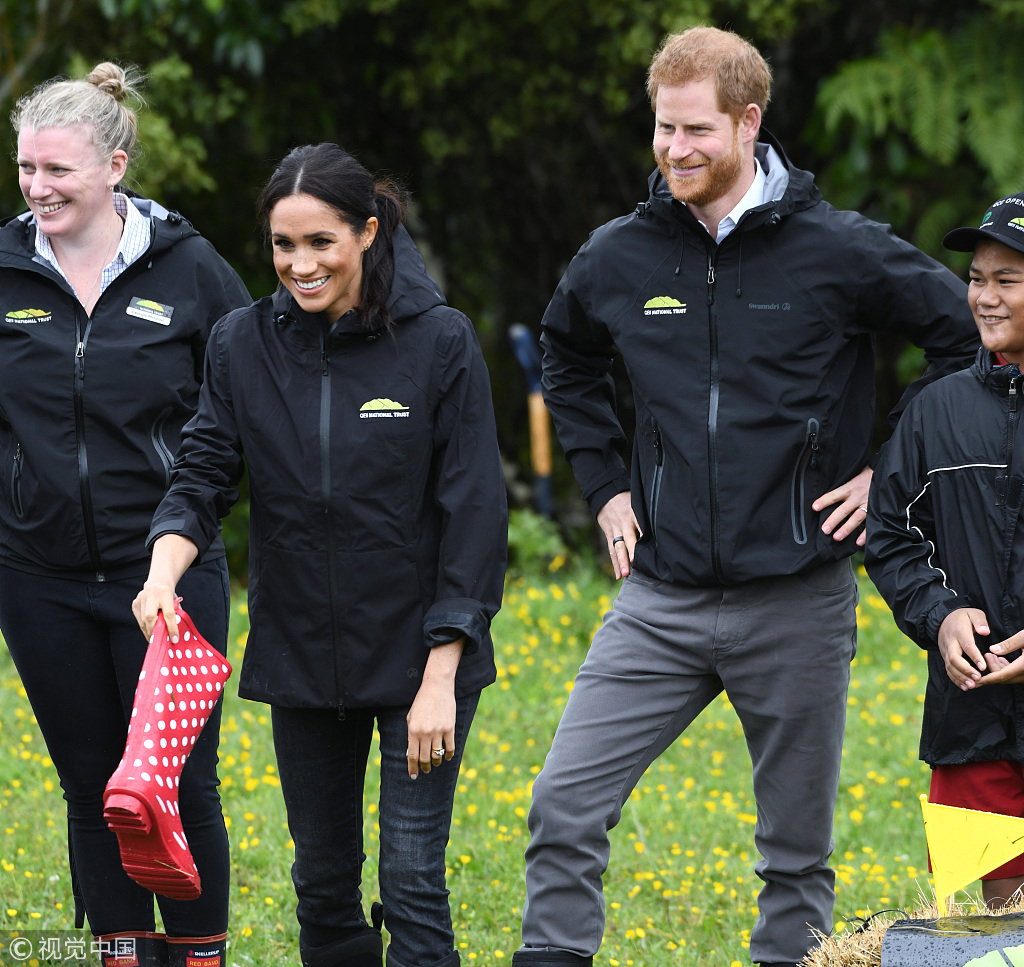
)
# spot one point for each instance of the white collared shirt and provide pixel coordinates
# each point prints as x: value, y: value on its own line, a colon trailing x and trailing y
x: 135, y: 239
x: 753, y: 198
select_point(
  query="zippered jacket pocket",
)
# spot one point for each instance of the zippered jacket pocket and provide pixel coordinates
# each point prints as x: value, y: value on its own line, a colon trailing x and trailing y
x: 16, y: 466
x: 161, y: 448
x: 655, y: 491
x: 798, y: 494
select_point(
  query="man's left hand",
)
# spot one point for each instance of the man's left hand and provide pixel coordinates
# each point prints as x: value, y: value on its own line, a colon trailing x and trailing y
x: 852, y: 498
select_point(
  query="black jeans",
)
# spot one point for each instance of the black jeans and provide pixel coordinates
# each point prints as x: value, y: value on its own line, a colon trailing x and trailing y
x: 322, y: 764
x: 79, y: 652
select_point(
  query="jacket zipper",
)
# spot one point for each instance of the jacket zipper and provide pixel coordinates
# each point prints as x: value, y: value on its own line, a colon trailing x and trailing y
x: 1011, y: 425
x: 716, y: 515
x: 78, y: 392
x: 798, y: 494
x: 1011, y: 496
x: 16, y: 482
x: 85, y: 492
x: 325, y: 498
x: 659, y: 459
x: 1008, y: 450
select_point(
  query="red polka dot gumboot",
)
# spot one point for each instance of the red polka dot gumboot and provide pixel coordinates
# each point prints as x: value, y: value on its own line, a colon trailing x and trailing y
x: 179, y: 685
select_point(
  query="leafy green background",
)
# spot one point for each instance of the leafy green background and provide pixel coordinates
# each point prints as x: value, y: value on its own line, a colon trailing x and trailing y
x: 520, y: 125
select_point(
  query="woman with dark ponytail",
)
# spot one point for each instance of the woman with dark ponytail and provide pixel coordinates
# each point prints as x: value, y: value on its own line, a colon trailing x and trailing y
x: 360, y: 402
x: 332, y: 176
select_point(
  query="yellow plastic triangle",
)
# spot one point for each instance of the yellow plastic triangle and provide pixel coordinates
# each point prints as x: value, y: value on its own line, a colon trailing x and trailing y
x: 1015, y: 955
x: 965, y: 844
x: 992, y: 959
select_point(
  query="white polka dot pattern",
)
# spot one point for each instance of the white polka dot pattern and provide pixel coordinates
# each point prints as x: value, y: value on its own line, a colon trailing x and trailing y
x: 178, y: 689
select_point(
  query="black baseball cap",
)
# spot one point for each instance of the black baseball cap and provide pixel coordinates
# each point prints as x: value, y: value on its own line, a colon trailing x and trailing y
x: 1003, y: 222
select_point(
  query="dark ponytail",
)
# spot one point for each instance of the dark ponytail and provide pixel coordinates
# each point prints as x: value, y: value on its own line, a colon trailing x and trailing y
x: 331, y: 175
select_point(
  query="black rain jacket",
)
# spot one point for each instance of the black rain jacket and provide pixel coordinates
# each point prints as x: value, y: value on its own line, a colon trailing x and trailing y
x: 378, y: 524
x: 91, y: 409
x: 752, y: 365
x: 944, y: 533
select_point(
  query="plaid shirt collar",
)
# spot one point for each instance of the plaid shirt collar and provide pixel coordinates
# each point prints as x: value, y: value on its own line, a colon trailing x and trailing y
x: 135, y: 239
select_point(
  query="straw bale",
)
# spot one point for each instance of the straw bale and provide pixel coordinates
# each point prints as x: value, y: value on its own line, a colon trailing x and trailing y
x: 861, y: 946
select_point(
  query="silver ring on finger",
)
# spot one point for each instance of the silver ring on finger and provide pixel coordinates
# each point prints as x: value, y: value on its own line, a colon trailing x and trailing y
x: 615, y: 540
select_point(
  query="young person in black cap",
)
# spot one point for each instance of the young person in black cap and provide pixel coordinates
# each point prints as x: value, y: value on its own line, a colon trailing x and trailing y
x: 946, y: 550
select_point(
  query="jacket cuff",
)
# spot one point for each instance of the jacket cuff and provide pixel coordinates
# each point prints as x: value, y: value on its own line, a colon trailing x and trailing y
x: 451, y: 619
x: 179, y: 526
x: 601, y: 496
x: 934, y: 618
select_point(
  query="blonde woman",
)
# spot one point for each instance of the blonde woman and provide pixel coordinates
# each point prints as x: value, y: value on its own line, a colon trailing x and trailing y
x: 108, y: 300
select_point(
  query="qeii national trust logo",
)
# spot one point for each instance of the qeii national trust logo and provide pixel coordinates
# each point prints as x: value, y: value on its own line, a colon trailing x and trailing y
x: 23, y: 317
x: 382, y: 408
x: 664, y: 305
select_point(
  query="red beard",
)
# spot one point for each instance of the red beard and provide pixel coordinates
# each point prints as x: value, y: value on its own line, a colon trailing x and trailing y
x: 715, y: 180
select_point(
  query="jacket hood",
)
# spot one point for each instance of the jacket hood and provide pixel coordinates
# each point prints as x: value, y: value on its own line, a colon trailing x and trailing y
x: 787, y: 188
x: 18, y: 232
x: 413, y: 289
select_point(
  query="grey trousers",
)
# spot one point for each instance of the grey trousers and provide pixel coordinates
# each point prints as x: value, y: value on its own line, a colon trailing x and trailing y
x: 781, y: 648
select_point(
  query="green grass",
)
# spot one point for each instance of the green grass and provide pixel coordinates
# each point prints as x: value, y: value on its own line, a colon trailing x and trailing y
x: 681, y: 887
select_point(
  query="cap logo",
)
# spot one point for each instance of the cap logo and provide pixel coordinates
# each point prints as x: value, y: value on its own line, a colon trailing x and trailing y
x: 1003, y: 223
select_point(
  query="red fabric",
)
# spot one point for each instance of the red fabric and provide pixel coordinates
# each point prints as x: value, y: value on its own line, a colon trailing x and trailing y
x: 178, y: 687
x: 992, y: 787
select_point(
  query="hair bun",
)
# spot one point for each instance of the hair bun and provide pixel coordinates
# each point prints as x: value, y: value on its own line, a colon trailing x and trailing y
x: 110, y: 79
x: 106, y: 101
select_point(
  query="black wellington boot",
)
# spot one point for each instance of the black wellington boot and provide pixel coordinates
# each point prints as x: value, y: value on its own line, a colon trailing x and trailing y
x: 143, y: 949
x: 198, y: 951
x: 365, y: 949
x: 533, y: 957
x: 452, y: 960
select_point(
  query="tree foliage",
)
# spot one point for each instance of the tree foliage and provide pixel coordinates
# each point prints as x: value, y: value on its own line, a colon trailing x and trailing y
x: 520, y: 125
x: 931, y: 128
x: 24, y: 36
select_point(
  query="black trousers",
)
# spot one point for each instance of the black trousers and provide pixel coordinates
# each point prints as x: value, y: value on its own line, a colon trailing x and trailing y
x: 79, y: 652
x: 322, y: 763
